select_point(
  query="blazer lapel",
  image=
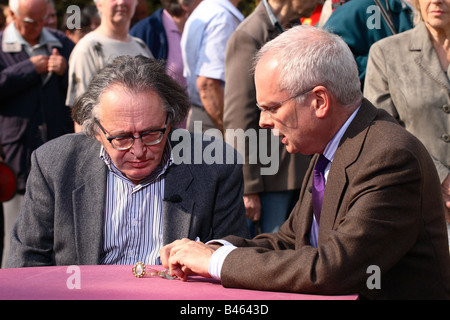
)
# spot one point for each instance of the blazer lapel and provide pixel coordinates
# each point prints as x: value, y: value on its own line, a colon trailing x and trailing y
x: 346, y: 154
x: 178, y: 204
x: 426, y: 56
x: 89, y: 206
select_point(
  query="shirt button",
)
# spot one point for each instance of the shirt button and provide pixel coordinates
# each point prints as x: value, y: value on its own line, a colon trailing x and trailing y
x: 445, y: 137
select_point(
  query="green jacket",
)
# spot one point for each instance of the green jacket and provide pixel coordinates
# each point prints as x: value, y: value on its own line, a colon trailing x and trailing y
x: 361, y: 24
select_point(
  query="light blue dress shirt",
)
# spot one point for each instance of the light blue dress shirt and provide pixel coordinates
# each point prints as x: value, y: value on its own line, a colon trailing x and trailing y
x: 204, y: 41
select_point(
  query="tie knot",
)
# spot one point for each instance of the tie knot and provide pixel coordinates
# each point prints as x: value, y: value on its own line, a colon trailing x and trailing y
x: 322, y: 163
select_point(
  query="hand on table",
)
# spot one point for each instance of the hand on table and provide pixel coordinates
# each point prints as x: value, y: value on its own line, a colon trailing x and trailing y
x: 185, y: 257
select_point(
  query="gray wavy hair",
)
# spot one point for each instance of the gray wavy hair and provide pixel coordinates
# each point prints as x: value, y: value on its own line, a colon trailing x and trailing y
x: 137, y: 74
x: 310, y: 56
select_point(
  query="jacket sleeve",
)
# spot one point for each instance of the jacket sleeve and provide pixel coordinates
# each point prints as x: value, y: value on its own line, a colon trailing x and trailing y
x: 16, y: 77
x: 376, y: 87
x: 32, y: 235
x: 372, y: 218
x: 240, y: 111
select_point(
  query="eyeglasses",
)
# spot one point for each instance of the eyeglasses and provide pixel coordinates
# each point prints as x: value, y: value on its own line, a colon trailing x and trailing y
x: 269, y: 110
x: 126, y: 141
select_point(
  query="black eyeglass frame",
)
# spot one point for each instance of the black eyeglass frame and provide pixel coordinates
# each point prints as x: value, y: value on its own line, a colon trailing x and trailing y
x: 110, y: 139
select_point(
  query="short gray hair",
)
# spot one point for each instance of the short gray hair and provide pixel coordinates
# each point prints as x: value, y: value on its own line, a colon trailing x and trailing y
x: 15, y: 4
x: 310, y: 56
x: 137, y: 74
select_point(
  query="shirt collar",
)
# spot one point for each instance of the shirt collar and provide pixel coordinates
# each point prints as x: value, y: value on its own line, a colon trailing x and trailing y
x: 166, y: 162
x: 332, y: 146
x: 168, y: 22
x: 13, y: 41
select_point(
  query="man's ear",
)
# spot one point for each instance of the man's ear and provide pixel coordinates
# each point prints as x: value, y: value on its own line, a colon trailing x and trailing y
x: 12, y: 14
x: 322, y: 101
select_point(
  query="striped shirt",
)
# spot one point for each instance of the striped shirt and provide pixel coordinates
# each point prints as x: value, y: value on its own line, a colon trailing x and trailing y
x: 133, y: 226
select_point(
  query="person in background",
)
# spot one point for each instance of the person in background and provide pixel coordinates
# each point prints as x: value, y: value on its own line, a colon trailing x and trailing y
x: 408, y: 76
x: 370, y: 217
x: 2, y: 223
x: 75, y: 34
x: 52, y: 19
x: 203, y: 46
x: 141, y: 12
x: 361, y: 23
x: 97, y: 48
x: 33, y: 86
x: 162, y: 34
x: 4, y: 12
x: 92, y: 12
x: 327, y: 9
x: 268, y: 198
x: 115, y: 193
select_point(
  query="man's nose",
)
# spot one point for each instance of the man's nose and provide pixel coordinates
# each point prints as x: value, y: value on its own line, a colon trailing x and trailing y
x: 138, y: 148
x: 265, y: 121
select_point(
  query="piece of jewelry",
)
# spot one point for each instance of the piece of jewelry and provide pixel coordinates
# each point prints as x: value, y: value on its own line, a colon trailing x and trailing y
x: 140, y: 270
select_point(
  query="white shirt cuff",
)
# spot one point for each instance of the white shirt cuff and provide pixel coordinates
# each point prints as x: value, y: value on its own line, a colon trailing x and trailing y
x: 218, y: 257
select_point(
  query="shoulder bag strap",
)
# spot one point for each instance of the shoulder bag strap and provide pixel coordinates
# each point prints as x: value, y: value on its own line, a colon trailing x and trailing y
x: 386, y: 15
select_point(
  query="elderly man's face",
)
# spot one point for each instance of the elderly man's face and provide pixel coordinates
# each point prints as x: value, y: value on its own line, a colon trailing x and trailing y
x: 123, y: 112
x: 295, y: 124
x: 30, y: 20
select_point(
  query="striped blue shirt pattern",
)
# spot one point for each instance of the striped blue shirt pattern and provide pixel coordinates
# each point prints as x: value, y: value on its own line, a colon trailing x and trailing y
x: 133, y: 225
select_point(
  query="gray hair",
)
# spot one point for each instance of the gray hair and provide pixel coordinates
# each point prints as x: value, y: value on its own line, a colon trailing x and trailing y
x: 15, y: 4
x: 137, y: 74
x: 309, y: 56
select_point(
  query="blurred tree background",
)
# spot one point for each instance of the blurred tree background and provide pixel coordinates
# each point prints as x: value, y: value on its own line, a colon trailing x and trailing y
x: 245, y: 6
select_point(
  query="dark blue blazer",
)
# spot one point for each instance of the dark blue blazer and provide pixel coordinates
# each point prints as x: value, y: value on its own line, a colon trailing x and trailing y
x: 151, y: 31
x: 31, y: 111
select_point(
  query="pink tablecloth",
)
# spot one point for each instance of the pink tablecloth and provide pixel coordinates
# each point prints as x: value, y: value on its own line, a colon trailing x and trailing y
x: 118, y: 282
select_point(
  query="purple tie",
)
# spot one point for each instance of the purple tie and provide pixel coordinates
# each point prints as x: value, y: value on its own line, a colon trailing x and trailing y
x: 318, y: 186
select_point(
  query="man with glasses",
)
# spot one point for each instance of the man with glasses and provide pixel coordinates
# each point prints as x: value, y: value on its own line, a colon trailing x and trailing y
x: 33, y: 87
x: 115, y: 193
x: 379, y: 229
